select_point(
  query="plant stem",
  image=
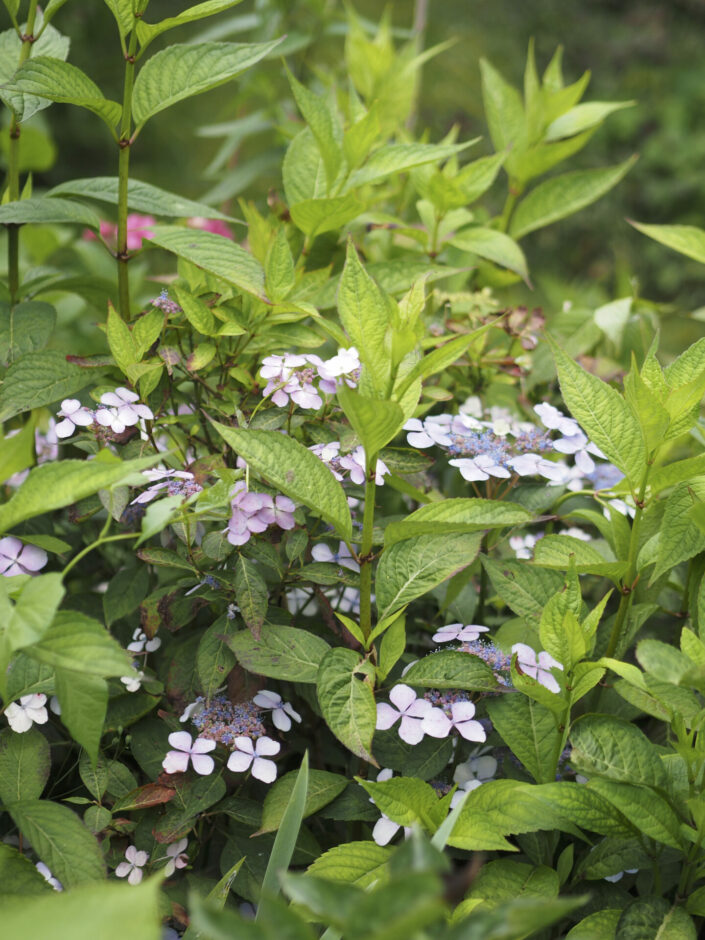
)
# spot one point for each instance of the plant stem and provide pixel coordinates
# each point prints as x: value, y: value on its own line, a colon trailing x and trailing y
x: 366, y: 547
x: 13, y: 167
x: 96, y: 544
x: 515, y: 189
x: 625, y: 602
x: 124, y: 143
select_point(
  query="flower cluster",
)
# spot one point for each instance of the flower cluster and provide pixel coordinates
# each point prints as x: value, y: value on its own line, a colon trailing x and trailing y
x: 303, y: 378
x: 119, y: 410
x: 436, y: 714
x: 252, y: 513
x: 164, y: 303
x: 352, y: 464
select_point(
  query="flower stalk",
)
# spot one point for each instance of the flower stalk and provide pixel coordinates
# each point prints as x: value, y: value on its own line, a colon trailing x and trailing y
x: 125, y: 143
x: 366, y: 547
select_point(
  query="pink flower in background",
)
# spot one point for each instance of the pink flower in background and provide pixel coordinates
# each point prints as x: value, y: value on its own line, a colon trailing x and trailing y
x: 216, y: 226
x: 139, y: 227
x: 18, y: 558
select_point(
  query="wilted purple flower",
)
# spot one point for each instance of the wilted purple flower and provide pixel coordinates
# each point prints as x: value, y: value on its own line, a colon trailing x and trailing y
x: 438, y: 724
x: 456, y: 631
x: 538, y: 667
x: 18, y: 558
x: 177, y: 761
x: 162, y: 302
x: 28, y: 711
x: 132, y: 868
x: 122, y: 410
x: 74, y: 414
x: 247, y: 754
x: 282, y: 712
x: 409, y: 708
x: 176, y: 856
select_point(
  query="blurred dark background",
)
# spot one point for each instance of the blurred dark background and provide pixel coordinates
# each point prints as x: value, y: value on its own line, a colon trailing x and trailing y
x: 645, y: 50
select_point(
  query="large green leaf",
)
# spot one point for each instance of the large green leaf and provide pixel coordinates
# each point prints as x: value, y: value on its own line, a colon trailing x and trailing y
x: 280, y: 652
x: 215, y: 659
x: 649, y: 813
x: 141, y: 197
x: 406, y: 801
x: 42, y: 211
x: 679, y: 537
x: 26, y: 621
x: 504, y: 112
x: 315, y: 216
x: 457, y: 515
x: 84, y: 701
x: 493, y: 245
x: 215, y: 254
x: 294, y: 470
x: 375, y: 422
x: 687, y: 239
x: 37, y: 379
x: 25, y: 763
x: 62, y: 82
x: 563, y: 195
x: 320, y: 119
x: 523, y: 588
x: 616, y: 749
x: 397, y: 158
x: 451, y: 669
x: 582, y: 117
x: 323, y: 787
x: 411, y: 568
x: 52, y: 44
x: 347, y: 701
x: 653, y: 917
x: 124, y: 17
x: 529, y: 730
x: 360, y: 863
x: 76, y: 642
x: 24, y: 328
x: 146, y: 32
x: 182, y: 71
x: 18, y: 876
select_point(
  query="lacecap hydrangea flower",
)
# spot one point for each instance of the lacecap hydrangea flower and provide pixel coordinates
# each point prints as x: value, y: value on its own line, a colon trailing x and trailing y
x: 16, y: 557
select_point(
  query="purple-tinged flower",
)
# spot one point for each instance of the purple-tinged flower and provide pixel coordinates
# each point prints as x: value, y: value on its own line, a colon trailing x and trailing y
x: 28, y: 711
x: 323, y: 552
x: 409, y: 708
x: 141, y: 644
x: 620, y: 874
x: 438, y: 724
x: 18, y: 558
x: 430, y: 432
x: 122, y: 411
x: 282, y: 512
x: 355, y: 464
x: 251, y: 513
x: 282, y: 712
x: 177, y: 761
x: 74, y: 414
x: 176, y: 483
x: 527, y: 465
x: 472, y: 774
x: 48, y: 877
x: 456, y: 631
x: 176, y: 856
x: 481, y: 467
x: 132, y: 868
x: 555, y: 420
x: 538, y: 667
x: 330, y: 455
x: 247, y: 754
x: 162, y: 302
x: 344, y: 365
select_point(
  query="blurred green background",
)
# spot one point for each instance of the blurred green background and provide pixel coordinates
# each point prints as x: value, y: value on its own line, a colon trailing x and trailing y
x: 635, y: 49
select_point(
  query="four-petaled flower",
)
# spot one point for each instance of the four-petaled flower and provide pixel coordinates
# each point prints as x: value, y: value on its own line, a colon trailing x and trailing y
x: 121, y: 410
x: 538, y: 667
x: 176, y: 857
x: 247, y: 754
x: 409, y: 708
x: 282, y: 712
x: 141, y: 644
x: 472, y: 774
x: 438, y: 724
x: 132, y: 868
x: 456, y: 631
x: 323, y: 552
x: 18, y: 558
x: 177, y: 761
x: 30, y: 710
x: 74, y: 414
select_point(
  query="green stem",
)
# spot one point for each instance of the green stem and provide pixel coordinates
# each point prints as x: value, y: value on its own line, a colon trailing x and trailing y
x: 625, y: 602
x: 98, y: 542
x: 515, y: 189
x: 13, y: 167
x: 124, y: 143
x: 366, y: 548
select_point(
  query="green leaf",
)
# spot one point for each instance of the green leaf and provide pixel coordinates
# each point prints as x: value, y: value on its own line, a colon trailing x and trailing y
x: 319, y: 118
x: 279, y: 267
x: 391, y: 159
x: 37, y: 379
x: 504, y: 879
x: 476, y: 178
x: 25, y: 622
x: 424, y: 760
x: 493, y: 245
x: 95, y: 777
x: 81, y: 644
x: 503, y: 109
x: 563, y: 551
x: 280, y: 653
x: 108, y: 910
x: 680, y: 538
x: 126, y: 591
x: 194, y: 796
x: 18, y: 876
x: 184, y: 70
x: 84, y: 700
x: 529, y: 730
x: 285, y: 841
x: 603, y: 414
x: 359, y: 863
x: 214, y: 658
x: 392, y: 646
x: 654, y: 917
x: 251, y: 594
x: 648, y: 813
x: 451, y: 669
x: 24, y: 328
x: 42, y: 211
x: 17, y: 452
x: 52, y: 44
x: 54, y: 485
x: 376, y: 422
x: 457, y: 515
x: 611, y: 747
x: 406, y: 801
x: 564, y: 195
x: 523, y: 588
x: 662, y: 661
x: 323, y: 787
x: 294, y: 470
x: 146, y: 32
x: 365, y: 312
x: 124, y: 17
x: 214, y: 254
x: 198, y: 313
x: 59, y: 81
x: 347, y: 702
x: 141, y: 197
x: 316, y: 216
x: 411, y: 568
x: 25, y: 763
x: 582, y: 117
x: 62, y: 842
x: 686, y: 239
x: 436, y: 361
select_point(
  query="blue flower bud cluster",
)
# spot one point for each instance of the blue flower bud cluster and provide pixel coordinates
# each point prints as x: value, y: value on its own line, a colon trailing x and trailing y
x: 222, y: 720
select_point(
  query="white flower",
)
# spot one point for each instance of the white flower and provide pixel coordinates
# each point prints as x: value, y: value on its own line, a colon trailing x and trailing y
x: 438, y: 725
x: 576, y: 533
x: 555, y: 420
x: 246, y: 753
x: 282, y: 712
x: 132, y: 868
x: 73, y: 413
x: 456, y: 631
x: 140, y: 642
x: 385, y: 829
x: 29, y: 711
x: 177, y: 857
x: 528, y: 465
x: 428, y: 433
x: 190, y: 710
x: 47, y: 876
x: 479, y: 468
x: 323, y: 552
x: 538, y: 667
x: 123, y: 411
x: 177, y: 761
x: 132, y: 683
x: 409, y: 708
x: 523, y: 545
x: 475, y: 770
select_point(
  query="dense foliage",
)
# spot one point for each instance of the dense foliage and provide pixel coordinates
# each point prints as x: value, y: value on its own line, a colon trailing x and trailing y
x: 339, y: 599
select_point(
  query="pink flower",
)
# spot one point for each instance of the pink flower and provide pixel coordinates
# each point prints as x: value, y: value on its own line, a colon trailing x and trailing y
x: 247, y: 754
x: 139, y: 227
x: 438, y: 724
x: 18, y: 558
x: 282, y: 512
x: 538, y: 667
x: 177, y: 761
x: 216, y: 226
x: 409, y: 708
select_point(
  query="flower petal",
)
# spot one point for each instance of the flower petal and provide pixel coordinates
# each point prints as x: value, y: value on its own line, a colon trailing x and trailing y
x: 402, y: 696
x: 386, y: 716
x: 436, y: 723
x: 264, y: 770
x: 203, y: 764
x: 239, y: 762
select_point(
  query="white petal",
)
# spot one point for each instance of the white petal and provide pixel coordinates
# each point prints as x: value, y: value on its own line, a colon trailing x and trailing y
x: 64, y: 428
x: 180, y: 740
x: 202, y: 745
x: 135, y: 876
x: 411, y: 730
x: 266, y: 699
x: 176, y: 762
x: 124, y: 868
x: 402, y: 696
x: 264, y: 770
x: 436, y: 723
x: 384, y: 830
x: 266, y: 747
x: 471, y: 730
x: 239, y: 762
x: 203, y: 764
x: 281, y: 720
x: 462, y: 711
x: 386, y: 716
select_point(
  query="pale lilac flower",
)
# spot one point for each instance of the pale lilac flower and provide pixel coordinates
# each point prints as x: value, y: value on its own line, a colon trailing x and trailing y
x: 30, y: 710
x: 538, y: 667
x: 555, y: 420
x: 438, y: 724
x: 471, y: 775
x: 481, y: 467
x: 282, y: 512
x: 304, y: 395
x: 576, y: 533
x: 323, y: 552
x: 132, y: 868
x: 176, y: 483
x: 47, y: 876
x: 579, y: 446
x: 344, y: 365
x: 288, y: 377
x: 176, y: 856
x: 74, y: 414
x: 177, y: 761
x: 385, y: 829
x: 456, y: 631
x: 330, y: 455
x: 282, y: 712
x: 122, y: 411
x: 428, y: 433
x: 523, y: 545
x: 355, y: 464
x: 251, y: 513
x: 18, y: 558
x: 247, y: 754
x: 409, y: 708
x: 140, y: 643
x: 621, y: 874
x: 532, y: 465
